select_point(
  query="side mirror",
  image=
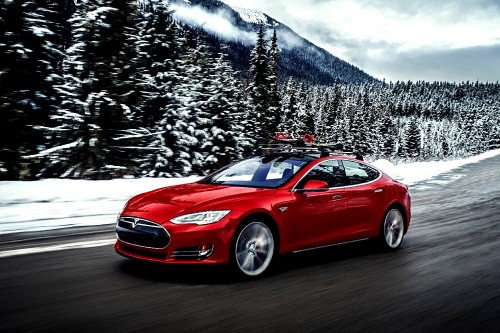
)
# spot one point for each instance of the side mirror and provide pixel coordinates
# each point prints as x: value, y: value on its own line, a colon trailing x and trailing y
x: 314, y: 186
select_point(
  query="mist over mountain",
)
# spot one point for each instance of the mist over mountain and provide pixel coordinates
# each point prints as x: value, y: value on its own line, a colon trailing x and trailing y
x: 221, y: 24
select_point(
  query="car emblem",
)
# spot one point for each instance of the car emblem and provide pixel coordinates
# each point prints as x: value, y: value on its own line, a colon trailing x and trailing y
x: 134, y: 224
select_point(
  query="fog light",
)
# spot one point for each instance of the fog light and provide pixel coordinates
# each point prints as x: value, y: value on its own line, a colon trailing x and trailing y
x: 194, y: 253
x: 205, y: 251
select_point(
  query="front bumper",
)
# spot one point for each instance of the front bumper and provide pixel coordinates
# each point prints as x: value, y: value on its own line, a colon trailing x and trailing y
x: 186, y: 244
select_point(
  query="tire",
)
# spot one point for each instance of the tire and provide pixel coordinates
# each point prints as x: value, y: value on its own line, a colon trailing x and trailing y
x: 392, y: 229
x: 253, y: 249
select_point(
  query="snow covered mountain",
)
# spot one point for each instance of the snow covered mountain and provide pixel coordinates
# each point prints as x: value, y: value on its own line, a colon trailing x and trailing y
x: 236, y: 28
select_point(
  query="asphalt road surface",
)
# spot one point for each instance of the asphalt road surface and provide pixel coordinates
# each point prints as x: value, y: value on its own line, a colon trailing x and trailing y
x: 445, y: 278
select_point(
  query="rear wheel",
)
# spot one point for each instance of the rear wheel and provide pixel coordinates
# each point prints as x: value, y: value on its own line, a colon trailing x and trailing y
x: 393, y: 228
x: 254, y: 249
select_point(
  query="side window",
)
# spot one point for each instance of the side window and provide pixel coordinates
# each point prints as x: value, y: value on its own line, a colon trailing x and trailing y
x: 329, y: 171
x: 357, y: 173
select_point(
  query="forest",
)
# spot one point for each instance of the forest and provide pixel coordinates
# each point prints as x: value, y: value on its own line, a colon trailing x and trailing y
x: 101, y: 89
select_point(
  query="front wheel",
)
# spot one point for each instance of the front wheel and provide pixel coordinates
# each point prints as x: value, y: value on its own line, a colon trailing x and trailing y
x: 254, y: 249
x: 393, y: 228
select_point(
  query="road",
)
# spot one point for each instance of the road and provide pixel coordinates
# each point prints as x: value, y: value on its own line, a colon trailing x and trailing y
x: 445, y: 278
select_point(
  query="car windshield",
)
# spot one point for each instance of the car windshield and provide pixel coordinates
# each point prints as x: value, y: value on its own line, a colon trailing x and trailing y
x: 262, y: 171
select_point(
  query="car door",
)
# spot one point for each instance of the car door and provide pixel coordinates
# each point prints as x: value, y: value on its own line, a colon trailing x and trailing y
x: 319, y: 218
x: 365, y: 197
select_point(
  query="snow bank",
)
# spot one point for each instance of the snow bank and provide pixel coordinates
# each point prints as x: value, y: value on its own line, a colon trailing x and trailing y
x: 412, y: 173
x: 59, y: 203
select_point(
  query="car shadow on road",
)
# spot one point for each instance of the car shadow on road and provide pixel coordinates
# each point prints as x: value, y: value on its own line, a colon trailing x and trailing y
x: 225, y: 274
x: 327, y: 255
x: 182, y: 274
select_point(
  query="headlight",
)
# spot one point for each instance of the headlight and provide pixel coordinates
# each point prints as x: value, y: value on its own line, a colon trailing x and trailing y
x: 200, y: 218
x: 121, y: 211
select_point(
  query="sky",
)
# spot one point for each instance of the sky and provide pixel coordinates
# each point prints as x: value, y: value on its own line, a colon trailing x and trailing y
x: 443, y: 40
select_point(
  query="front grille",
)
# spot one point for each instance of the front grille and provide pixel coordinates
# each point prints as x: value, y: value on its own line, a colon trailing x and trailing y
x: 142, y: 232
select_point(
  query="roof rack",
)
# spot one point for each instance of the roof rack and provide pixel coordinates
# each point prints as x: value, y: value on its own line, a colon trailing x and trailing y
x: 270, y: 146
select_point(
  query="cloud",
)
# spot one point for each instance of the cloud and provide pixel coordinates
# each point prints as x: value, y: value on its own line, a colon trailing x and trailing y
x: 287, y: 39
x: 222, y: 24
x: 364, y: 31
x: 219, y: 23
x: 480, y: 63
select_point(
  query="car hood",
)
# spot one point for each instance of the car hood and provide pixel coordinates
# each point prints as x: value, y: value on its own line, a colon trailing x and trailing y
x: 166, y: 203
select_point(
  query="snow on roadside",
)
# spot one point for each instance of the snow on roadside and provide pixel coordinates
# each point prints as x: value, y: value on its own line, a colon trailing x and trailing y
x: 412, y: 173
x: 59, y: 203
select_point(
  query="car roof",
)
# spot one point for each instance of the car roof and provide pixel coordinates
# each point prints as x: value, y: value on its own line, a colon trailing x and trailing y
x: 299, y: 148
x: 309, y: 156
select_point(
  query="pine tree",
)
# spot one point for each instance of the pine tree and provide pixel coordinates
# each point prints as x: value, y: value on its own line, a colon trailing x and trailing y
x: 64, y: 9
x: 227, y: 115
x: 412, y: 136
x: 289, y: 109
x: 470, y: 132
x: 388, y: 135
x: 361, y: 121
x: 210, y: 102
x: 274, y: 97
x: 296, y: 121
x: 30, y: 49
x: 375, y: 118
x: 162, y: 141
x: 247, y: 120
x: 321, y: 113
x: 309, y: 122
x: 331, y: 121
x: 494, y: 141
x: 426, y: 151
x: 358, y: 132
x: 96, y: 92
x: 259, y: 87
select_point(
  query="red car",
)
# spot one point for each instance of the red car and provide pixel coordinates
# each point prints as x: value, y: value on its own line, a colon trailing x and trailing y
x: 253, y: 210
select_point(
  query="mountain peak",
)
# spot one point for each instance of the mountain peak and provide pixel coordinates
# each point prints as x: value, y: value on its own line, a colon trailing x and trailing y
x: 254, y: 16
x: 236, y: 27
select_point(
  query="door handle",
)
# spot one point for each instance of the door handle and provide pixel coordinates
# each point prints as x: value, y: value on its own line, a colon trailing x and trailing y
x: 337, y: 196
x: 379, y: 190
